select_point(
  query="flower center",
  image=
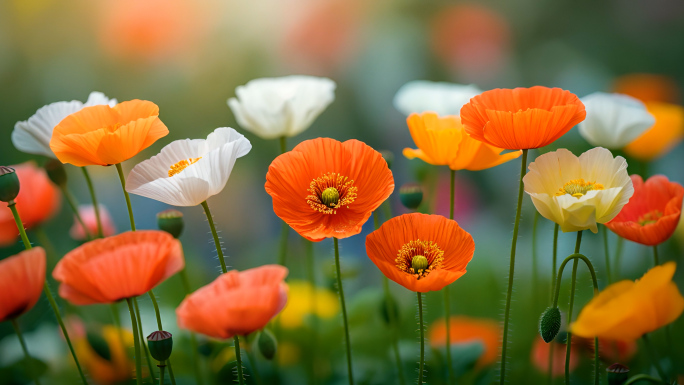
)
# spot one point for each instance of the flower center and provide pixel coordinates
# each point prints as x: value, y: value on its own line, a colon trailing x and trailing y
x: 419, y: 258
x: 329, y: 192
x: 650, y: 217
x: 182, y: 165
x: 114, y: 127
x: 578, y: 188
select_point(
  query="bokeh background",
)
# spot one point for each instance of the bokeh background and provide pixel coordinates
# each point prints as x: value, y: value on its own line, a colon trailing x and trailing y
x: 188, y: 56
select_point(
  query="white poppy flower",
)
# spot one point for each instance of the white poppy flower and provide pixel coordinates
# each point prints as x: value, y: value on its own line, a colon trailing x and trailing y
x: 579, y: 192
x: 33, y: 135
x: 443, y: 98
x: 281, y: 107
x: 187, y: 172
x: 614, y: 120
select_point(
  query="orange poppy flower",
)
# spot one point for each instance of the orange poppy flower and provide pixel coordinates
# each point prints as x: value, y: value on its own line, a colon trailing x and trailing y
x: 648, y: 87
x: 665, y: 134
x: 22, y: 277
x: 522, y: 118
x: 236, y: 303
x: 324, y: 188
x: 465, y: 330
x: 652, y: 214
x: 122, y: 266
x: 540, y: 357
x: 421, y: 252
x: 104, y: 135
x: 38, y: 201
x: 443, y: 141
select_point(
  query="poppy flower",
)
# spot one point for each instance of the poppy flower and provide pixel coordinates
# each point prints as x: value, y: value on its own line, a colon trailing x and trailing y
x: 665, y: 134
x: 324, y: 188
x: 648, y: 87
x: 443, y: 98
x: 118, y: 267
x: 627, y: 310
x: 87, y: 213
x: 443, y: 141
x: 540, y: 357
x: 522, y: 118
x: 610, y: 351
x: 236, y: 303
x: 653, y: 212
x: 614, y: 120
x: 281, y: 107
x: 421, y: 252
x: 579, y: 192
x: 22, y: 277
x: 104, y: 135
x: 187, y: 172
x: 465, y: 330
x: 38, y: 201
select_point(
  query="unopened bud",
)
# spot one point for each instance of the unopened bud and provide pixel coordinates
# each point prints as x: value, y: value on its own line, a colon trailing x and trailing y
x: 617, y: 374
x: 171, y: 221
x: 388, y: 156
x: 411, y: 195
x: 9, y: 184
x: 268, y: 345
x: 56, y: 172
x: 160, y: 344
x: 549, y: 324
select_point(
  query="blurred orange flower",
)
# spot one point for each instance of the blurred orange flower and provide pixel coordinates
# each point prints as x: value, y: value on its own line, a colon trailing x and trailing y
x: 540, y: 357
x: 627, y: 310
x: 464, y: 330
x: 443, y: 141
x: 22, y: 277
x: 610, y: 351
x: 421, y: 252
x: 652, y: 214
x: 522, y: 118
x: 38, y: 201
x: 236, y: 303
x: 648, y: 87
x: 324, y: 188
x: 665, y: 134
x: 104, y: 135
x: 122, y: 266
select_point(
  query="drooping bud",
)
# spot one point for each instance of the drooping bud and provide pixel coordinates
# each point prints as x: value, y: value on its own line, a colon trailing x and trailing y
x: 268, y: 345
x: 419, y: 263
x: 171, y: 221
x: 160, y: 344
x: 330, y: 196
x: 388, y: 156
x: 389, y: 309
x: 9, y: 184
x: 99, y: 345
x: 617, y: 374
x: 549, y: 324
x: 56, y: 172
x: 411, y: 195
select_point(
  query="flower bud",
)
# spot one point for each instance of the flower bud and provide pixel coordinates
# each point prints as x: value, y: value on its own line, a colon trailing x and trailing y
x: 56, y: 172
x: 268, y: 345
x: 550, y: 324
x: 411, y: 195
x: 9, y: 184
x: 171, y: 221
x: 160, y: 344
x: 388, y: 156
x: 617, y: 374
x: 389, y: 307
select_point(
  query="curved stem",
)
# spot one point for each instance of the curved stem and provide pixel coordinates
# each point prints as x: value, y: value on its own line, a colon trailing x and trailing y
x: 654, y: 357
x: 655, y: 255
x: 29, y: 360
x: 93, y: 198
x: 241, y: 375
x: 643, y: 377
x: 344, y: 312
x: 568, y: 343
x: 217, y: 241
x: 511, y: 269
x: 142, y: 339
x: 161, y: 328
x: 128, y: 199
x: 422, y: 339
x: 136, y: 340
x: 607, y: 252
x: 74, y: 208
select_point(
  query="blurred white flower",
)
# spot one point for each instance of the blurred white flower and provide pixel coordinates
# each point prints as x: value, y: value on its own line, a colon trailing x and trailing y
x: 614, y: 120
x: 443, y: 98
x: 33, y: 135
x: 187, y: 172
x: 281, y: 107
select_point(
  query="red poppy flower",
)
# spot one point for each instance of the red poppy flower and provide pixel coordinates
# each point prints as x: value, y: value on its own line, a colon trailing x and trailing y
x: 465, y: 330
x: 22, y: 277
x: 652, y: 214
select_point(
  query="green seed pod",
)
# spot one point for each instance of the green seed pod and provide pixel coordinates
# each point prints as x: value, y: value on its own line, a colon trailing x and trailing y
x: 389, y: 308
x: 617, y: 374
x: 160, y: 344
x: 268, y: 345
x: 550, y: 324
x: 171, y: 221
x: 99, y: 345
x: 9, y: 184
x: 411, y: 195
x: 388, y: 156
x: 56, y: 172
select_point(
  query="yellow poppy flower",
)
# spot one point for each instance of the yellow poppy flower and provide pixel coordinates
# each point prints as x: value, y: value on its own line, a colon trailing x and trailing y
x: 627, y: 310
x: 665, y: 134
x: 102, y: 370
x: 305, y: 299
x: 442, y: 141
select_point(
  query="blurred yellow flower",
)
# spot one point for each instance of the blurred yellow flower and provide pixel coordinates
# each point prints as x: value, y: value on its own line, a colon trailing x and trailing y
x: 288, y: 354
x: 303, y: 299
x: 667, y: 132
x: 627, y: 310
x: 118, y: 367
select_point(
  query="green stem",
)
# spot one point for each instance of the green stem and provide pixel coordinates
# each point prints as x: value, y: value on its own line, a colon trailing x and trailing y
x: 49, y: 247
x: 511, y: 269
x: 161, y: 328
x: 74, y: 207
x: 29, y: 360
x: 534, y: 258
x: 344, y: 312
x: 555, y: 255
x: 161, y: 372
x: 654, y: 357
x: 311, y: 275
x: 643, y: 377
x: 217, y: 241
x: 618, y: 255
x: 572, y: 302
x: 239, y: 360
x: 195, y: 359
x: 184, y: 279
x: 550, y: 364
x: 93, y: 198
x: 283, y: 144
x: 607, y: 252
x: 655, y: 255
x: 451, y: 194
x: 142, y: 338
x: 282, y: 255
x: 136, y: 340
x: 128, y: 199
x: 117, y: 323
x: 422, y: 339
x: 255, y: 370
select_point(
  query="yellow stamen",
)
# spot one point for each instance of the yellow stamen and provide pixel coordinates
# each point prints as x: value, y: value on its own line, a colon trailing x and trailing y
x: 578, y: 188
x: 650, y: 217
x: 182, y: 165
x: 329, y: 192
x: 419, y: 258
